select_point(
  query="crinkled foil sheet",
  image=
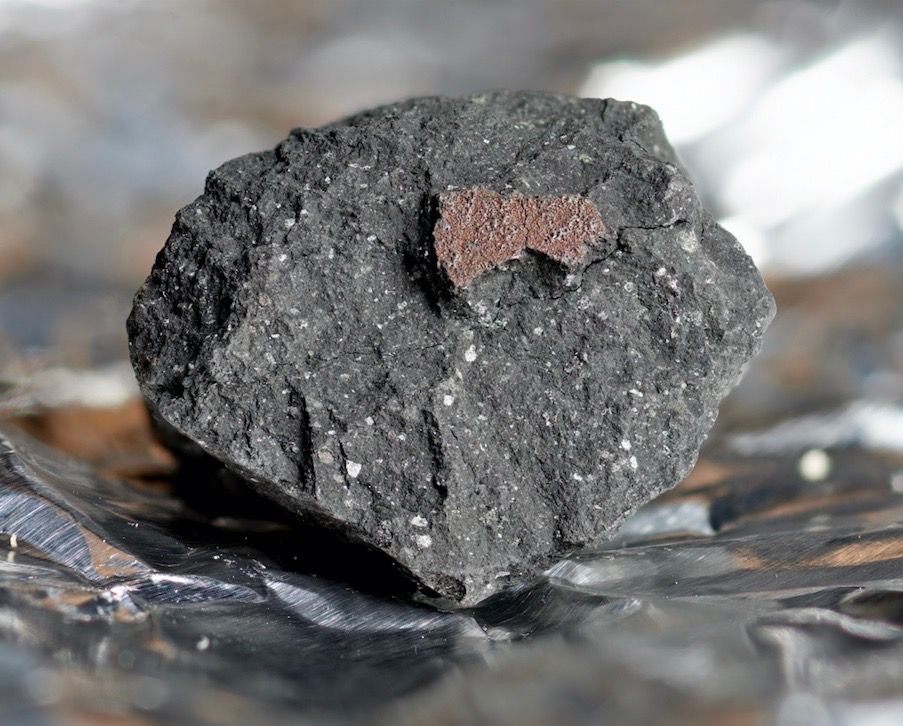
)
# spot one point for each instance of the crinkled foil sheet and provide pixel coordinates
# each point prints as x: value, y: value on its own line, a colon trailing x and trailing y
x: 737, y: 597
x: 768, y: 588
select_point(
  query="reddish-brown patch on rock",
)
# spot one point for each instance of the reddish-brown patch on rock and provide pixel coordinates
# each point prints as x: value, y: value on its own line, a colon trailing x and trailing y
x: 479, y: 229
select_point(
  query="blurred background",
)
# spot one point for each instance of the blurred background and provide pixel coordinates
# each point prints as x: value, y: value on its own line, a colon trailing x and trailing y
x: 787, y: 114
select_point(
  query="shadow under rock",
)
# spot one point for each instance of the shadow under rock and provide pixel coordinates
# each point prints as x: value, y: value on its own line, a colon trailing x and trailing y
x: 304, y: 545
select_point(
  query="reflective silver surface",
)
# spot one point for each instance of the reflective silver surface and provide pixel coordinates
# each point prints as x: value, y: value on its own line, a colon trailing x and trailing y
x: 749, y: 594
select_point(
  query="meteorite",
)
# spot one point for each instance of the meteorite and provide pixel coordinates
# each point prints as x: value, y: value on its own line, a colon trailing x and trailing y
x: 474, y: 333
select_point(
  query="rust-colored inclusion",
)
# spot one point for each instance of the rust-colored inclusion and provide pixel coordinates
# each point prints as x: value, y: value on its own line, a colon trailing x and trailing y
x: 479, y: 229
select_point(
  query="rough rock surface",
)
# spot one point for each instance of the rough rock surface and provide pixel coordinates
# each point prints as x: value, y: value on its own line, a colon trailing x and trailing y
x: 328, y: 321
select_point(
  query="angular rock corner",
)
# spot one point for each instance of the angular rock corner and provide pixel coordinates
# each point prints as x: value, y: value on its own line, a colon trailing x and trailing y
x: 474, y: 333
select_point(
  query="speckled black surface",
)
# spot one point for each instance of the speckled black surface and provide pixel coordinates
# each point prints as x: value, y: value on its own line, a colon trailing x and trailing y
x: 296, y: 327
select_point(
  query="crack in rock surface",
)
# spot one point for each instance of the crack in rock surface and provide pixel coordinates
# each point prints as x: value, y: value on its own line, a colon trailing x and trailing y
x: 473, y: 333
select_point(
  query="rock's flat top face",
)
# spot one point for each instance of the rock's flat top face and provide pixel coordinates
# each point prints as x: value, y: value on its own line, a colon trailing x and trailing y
x: 327, y: 321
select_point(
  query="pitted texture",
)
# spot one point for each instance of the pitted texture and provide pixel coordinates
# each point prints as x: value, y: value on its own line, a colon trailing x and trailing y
x: 298, y: 326
x: 479, y: 229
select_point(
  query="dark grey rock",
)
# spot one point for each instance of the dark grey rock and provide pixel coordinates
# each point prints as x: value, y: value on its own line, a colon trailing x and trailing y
x: 474, y: 422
